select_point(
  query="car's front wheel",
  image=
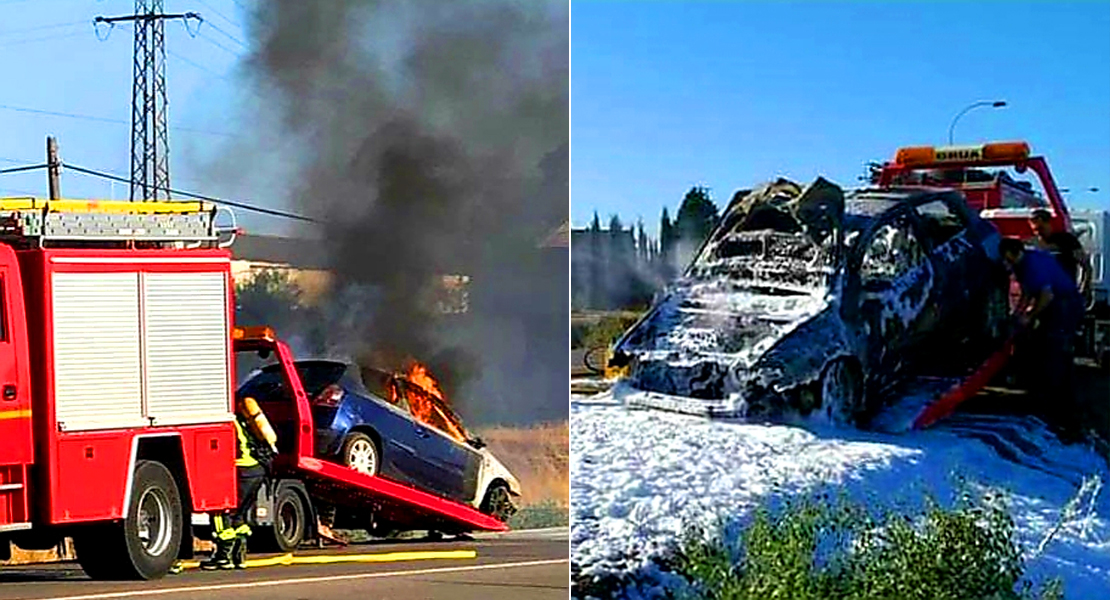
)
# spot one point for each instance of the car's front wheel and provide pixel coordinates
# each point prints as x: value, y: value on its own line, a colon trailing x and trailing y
x: 498, y: 502
x: 361, y: 453
x: 842, y: 392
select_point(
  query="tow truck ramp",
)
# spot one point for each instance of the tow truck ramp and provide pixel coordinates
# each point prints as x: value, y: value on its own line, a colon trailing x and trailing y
x: 344, y: 486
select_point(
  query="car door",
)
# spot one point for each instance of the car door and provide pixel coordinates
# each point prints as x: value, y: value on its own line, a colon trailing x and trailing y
x: 401, y: 453
x: 943, y: 229
x: 450, y: 464
x: 896, y: 288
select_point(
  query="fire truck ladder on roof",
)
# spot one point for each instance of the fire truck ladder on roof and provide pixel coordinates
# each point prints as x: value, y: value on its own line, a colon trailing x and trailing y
x: 40, y: 223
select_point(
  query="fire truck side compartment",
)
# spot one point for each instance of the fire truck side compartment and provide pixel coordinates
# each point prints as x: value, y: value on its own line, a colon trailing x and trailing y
x: 132, y: 353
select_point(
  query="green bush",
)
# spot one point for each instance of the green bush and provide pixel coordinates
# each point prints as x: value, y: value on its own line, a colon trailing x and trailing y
x: 547, y: 513
x: 602, y: 332
x: 835, y: 549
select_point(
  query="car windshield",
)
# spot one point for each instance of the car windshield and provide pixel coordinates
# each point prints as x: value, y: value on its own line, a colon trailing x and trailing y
x: 315, y: 376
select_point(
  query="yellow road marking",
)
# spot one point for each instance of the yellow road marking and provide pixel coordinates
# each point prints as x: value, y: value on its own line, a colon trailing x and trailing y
x: 328, y: 559
x: 15, y: 414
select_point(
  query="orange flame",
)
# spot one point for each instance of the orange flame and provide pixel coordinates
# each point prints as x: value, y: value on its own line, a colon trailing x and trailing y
x: 427, y: 402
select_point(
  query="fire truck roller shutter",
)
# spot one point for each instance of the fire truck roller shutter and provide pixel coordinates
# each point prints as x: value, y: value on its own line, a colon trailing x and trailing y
x: 186, y: 331
x: 97, y: 367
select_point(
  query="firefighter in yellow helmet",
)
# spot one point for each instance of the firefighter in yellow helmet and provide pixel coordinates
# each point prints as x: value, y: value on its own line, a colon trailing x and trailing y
x: 256, y: 446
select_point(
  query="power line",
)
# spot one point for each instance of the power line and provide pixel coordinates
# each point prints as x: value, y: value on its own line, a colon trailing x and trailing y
x: 42, y: 39
x: 197, y: 65
x: 42, y: 28
x: 226, y: 34
x: 236, y: 204
x: 52, y: 113
x: 216, y: 44
x: 23, y: 168
x: 218, y: 13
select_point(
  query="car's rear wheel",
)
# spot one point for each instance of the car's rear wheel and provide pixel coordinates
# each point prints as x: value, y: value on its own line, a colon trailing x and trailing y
x: 842, y: 392
x: 361, y: 453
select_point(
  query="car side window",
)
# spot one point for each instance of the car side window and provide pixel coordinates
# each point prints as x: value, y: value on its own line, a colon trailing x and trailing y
x: 939, y: 222
x: 893, y: 251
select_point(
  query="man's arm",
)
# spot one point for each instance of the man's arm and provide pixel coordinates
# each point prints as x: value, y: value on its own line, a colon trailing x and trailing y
x: 1034, y: 306
x: 1070, y: 243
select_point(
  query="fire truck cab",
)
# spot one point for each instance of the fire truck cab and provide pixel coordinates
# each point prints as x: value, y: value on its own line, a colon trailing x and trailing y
x: 116, y: 378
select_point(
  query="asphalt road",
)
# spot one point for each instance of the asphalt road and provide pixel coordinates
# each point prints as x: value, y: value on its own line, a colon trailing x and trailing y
x: 507, y: 566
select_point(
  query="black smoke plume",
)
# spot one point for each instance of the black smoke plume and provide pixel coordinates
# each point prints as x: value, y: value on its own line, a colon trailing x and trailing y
x: 434, y: 140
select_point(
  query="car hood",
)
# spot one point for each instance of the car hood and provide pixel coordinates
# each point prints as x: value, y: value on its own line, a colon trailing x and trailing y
x: 768, y: 267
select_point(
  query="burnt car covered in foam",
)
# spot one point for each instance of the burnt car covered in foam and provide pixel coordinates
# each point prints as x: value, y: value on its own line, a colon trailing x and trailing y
x: 814, y: 299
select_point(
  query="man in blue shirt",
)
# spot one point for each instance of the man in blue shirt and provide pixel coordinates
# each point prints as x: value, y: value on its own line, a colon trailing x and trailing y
x: 1052, y: 308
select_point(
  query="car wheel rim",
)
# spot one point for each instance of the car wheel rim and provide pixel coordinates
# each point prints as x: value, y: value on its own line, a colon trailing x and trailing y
x: 361, y: 457
x: 154, y: 527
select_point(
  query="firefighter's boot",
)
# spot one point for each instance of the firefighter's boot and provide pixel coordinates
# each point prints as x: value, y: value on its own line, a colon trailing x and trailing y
x: 239, y: 552
x: 221, y: 558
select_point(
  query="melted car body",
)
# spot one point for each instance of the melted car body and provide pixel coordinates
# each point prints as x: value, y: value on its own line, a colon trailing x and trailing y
x: 792, y: 281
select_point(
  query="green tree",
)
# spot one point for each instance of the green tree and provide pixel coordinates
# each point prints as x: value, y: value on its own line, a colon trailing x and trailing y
x: 642, y: 251
x: 595, y: 278
x: 270, y: 297
x: 696, y: 216
x: 666, y: 246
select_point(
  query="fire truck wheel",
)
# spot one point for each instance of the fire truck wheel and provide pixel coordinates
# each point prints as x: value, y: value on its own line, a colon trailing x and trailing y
x: 361, y: 453
x: 288, y: 529
x: 146, y: 543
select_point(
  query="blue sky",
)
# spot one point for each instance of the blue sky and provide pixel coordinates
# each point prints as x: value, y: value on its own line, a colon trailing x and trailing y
x: 52, y: 60
x: 666, y: 95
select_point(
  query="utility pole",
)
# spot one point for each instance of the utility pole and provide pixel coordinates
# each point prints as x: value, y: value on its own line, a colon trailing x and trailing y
x: 150, y: 164
x: 53, y: 168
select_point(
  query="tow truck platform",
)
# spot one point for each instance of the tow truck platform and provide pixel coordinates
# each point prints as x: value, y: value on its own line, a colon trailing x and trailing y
x: 336, y: 485
x: 965, y: 388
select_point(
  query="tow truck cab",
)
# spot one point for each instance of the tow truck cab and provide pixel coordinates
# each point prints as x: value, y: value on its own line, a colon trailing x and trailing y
x: 1008, y: 203
x: 995, y: 195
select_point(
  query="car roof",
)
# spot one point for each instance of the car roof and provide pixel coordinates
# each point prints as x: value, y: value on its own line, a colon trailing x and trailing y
x: 872, y: 203
x: 308, y: 362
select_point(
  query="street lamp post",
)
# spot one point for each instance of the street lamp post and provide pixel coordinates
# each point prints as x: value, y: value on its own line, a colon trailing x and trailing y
x: 990, y: 103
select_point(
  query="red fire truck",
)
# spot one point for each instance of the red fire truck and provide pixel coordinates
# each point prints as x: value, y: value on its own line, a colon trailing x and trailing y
x: 116, y: 367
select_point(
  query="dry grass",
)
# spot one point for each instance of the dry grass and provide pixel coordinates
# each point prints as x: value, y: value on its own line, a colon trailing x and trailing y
x: 539, y: 456
x: 26, y: 557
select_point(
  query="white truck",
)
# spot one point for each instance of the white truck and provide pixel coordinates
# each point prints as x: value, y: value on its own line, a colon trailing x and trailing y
x: 1092, y: 227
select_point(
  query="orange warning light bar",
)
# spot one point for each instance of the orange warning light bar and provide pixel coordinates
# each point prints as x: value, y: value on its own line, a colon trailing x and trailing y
x: 254, y: 333
x: 930, y: 155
